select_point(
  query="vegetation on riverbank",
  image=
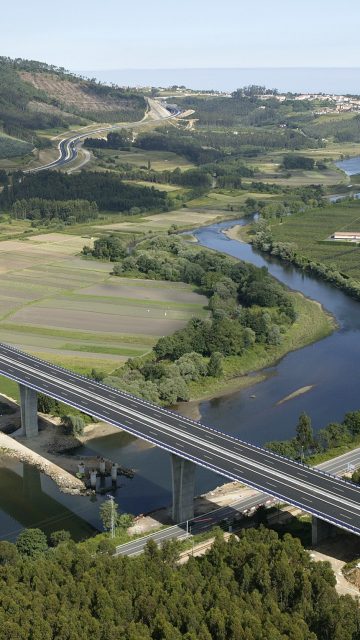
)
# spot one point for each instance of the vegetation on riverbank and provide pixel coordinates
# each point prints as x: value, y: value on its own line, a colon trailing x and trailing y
x: 341, y: 267
x: 254, y: 321
x: 312, y: 324
x: 329, y: 442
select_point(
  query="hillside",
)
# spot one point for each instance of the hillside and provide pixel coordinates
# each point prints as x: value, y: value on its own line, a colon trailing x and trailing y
x: 35, y: 97
x: 12, y: 147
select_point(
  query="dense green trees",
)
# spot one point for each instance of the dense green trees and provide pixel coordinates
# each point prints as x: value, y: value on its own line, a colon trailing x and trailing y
x: 114, y: 140
x: 183, y: 143
x: 67, y: 211
x: 256, y: 588
x: 31, y: 542
x: 304, y: 432
x: 110, y: 248
x: 293, y: 161
x: 3, y: 178
x: 73, y: 425
x: 307, y: 443
x: 104, y: 189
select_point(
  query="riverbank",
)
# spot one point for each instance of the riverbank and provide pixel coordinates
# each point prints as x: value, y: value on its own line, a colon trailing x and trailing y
x: 313, y: 323
x: 49, y: 451
x: 238, y: 232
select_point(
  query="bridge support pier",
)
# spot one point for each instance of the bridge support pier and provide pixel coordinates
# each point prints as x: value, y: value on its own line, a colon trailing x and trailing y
x: 320, y: 530
x: 183, y: 486
x: 28, y: 410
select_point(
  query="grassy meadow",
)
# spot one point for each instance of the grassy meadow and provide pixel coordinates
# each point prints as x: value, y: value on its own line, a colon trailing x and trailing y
x: 110, y: 159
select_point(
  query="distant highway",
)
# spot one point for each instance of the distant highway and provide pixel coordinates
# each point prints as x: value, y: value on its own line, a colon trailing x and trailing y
x: 205, y: 522
x: 69, y: 147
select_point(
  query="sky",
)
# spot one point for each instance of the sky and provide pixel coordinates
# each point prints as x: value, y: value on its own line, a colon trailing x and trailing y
x: 118, y: 34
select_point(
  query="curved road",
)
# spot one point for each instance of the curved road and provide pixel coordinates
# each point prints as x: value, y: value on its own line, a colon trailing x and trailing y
x: 69, y: 147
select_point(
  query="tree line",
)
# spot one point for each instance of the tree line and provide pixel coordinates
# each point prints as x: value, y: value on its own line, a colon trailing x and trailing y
x: 68, y: 211
x: 105, y: 189
x: 306, y: 443
x: 288, y: 251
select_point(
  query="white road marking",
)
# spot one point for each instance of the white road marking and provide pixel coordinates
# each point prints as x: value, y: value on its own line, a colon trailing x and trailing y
x: 219, y: 451
x: 179, y: 419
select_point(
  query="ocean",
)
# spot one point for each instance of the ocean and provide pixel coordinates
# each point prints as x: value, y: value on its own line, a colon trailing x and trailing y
x: 296, y: 80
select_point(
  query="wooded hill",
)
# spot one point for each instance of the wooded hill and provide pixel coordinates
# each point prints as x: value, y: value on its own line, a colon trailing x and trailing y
x: 36, y: 96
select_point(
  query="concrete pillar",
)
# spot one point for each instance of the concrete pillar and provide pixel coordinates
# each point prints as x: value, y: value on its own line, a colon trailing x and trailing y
x: 28, y: 410
x: 320, y: 530
x: 183, y: 486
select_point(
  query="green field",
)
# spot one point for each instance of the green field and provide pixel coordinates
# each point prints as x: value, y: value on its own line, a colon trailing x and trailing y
x: 73, y: 312
x: 185, y: 218
x: 309, y: 230
x: 160, y: 160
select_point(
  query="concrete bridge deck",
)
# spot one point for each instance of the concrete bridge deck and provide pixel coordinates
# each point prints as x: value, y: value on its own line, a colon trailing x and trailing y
x: 316, y: 492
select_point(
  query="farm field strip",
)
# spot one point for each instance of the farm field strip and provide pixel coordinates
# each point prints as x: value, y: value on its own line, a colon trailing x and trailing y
x: 119, y: 301
x: 163, y: 221
x: 96, y: 321
x: 125, y: 310
x: 160, y: 160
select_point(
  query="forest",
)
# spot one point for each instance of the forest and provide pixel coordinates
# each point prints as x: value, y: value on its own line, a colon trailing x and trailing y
x: 105, y: 189
x: 16, y: 119
x: 255, y: 587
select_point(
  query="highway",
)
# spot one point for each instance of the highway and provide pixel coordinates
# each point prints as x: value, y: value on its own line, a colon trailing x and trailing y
x: 246, y: 505
x: 68, y: 147
x: 313, y: 491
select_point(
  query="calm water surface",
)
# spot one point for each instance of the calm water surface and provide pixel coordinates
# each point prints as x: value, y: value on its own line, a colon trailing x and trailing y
x: 351, y: 166
x: 331, y: 365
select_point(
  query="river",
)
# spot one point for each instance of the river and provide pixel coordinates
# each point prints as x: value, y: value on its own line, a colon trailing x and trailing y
x: 331, y: 365
x: 350, y: 166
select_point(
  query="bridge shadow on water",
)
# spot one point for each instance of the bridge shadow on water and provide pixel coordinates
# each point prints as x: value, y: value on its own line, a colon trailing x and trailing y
x: 24, y: 500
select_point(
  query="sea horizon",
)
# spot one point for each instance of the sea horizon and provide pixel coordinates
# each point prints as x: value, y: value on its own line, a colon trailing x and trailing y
x: 333, y: 80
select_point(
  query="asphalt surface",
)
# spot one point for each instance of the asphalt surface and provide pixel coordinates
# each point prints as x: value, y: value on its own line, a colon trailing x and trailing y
x: 197, y: 525
x: 316, y: 492
x: 69, y: 147
x: 243, y: 506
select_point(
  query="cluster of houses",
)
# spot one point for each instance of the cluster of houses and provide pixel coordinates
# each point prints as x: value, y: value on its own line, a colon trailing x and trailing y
x: 340, y: 103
